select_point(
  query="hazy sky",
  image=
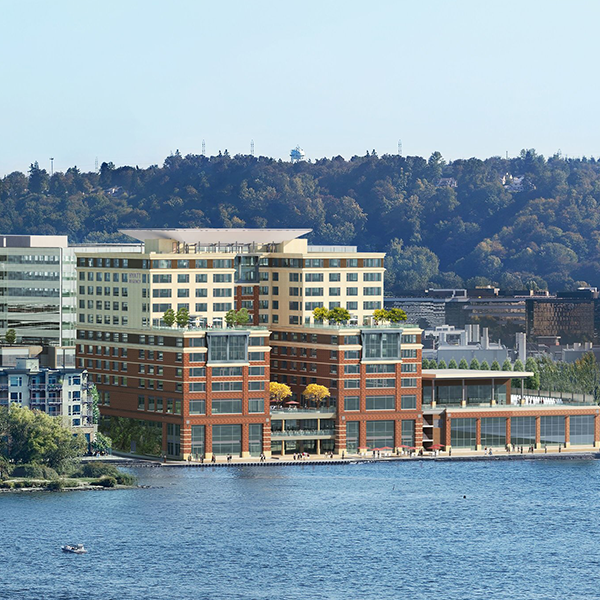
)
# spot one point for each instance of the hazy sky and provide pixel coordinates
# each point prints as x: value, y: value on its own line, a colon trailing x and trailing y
x: 132, y: 81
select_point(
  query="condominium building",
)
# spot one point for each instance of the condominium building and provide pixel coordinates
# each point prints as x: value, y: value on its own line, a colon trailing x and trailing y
x: 60, y: 392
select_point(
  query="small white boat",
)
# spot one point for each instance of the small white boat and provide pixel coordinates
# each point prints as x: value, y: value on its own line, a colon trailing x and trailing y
x: 75, y: 549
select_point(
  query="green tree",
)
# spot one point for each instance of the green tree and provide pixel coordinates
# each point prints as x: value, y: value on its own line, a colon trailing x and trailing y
x: 519, y: 368
x: 506, y: 365
x: 169, y: 317
x: 463, y: 364
x: 495, y: 366
x: 396, y: 315
x: 587, y: 375
x: 433, y: 363
x: 474, y: 366
x: 425, y: 363
x: 237, y: 317
x: 320, y: 314
x: 338, y: 315
x: 95, y: 401
x: 28, y: 436
x: 532, y: 382
x: 484, y: 366
x: 102, y: 443
x: 453, y: 364
x: 10, y: 336
x: 442, y: 364
x: 182, y: 317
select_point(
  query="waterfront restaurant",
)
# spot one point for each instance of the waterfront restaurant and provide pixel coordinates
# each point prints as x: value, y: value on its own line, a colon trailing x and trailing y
x: 464, y: 409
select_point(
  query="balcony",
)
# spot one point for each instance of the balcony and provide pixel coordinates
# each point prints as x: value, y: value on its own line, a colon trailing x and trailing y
x: 279, y: 413
x: 37, y: 387
x: 303, y: 434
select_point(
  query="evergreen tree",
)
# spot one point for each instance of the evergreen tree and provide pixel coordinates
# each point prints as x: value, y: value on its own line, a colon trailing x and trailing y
x: 495, y: 366
x: 452, y: 364
x: 484, y: 366
x: 474, y: 366
x: 425, y: 363
x: 463, y: 364
x: 507, y: 365
x: 442, y: 364
x: 533, y: 382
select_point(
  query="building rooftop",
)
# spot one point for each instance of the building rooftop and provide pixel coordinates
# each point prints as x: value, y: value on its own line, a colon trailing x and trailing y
x: 218, y: 236
x: 469, y: 374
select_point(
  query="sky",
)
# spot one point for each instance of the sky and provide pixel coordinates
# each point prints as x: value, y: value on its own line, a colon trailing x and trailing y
x: 132, y: 81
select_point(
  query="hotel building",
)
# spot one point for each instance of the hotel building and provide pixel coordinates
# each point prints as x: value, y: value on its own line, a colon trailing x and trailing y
x: 203, y: 389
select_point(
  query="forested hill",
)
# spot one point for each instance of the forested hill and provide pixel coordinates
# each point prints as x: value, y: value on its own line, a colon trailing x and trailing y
x: 521, y: 222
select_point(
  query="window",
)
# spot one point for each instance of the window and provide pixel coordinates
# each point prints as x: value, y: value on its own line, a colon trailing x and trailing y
x: 256, y: 405
x: 159, y: 293
x: 380, y: 434
x: 201, y: 307
x: 226, y: 407
x: 371, y: 305
x: 351, y: 354
x: 463, y: 433
x: 408, y: 367
x: 408, y: 402
x: 351, y: 276
x: 223, y: 263
x: 183, y: 293
x: 493, y: 431
x: 160, y: 278
x: 226, y: 371
x: 222, y: 278
x: 408, y: 433
x: 198, y: 386
x: 227, y: 386
x: 409, y: 338
x: 334, y: 277
x: 222, y: 292
x: 197, y: 371
x: 522, y: 431
x: 294, y: 276
x: 335, y: 291
x: 227, y: 439
x: 351, y: 384
x: 198, y: 437
x: 255, y: 435
x: 371, y: 276
x: 381, y: 345
x: 352, y: 429
x: 313, y: 277
x: 256, y: 371
x: 352, y: 369
x: 552, y: 430
x: 408, y: 382
x: 388, y: 382
x: 201, y: 277
x: 408, y: 353
x: 371, y: 291
x: 201, y: 292
x: 221, y: 306
x: 380, y: 368
x: 352, y: 403
x: 141, y: 403
x: 312, y: 291
x: 227, y: 347
x: 197, y: 407
x: 352, y: 291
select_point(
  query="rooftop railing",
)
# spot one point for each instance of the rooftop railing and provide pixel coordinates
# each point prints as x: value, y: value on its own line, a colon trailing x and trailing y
x: 303, y: 433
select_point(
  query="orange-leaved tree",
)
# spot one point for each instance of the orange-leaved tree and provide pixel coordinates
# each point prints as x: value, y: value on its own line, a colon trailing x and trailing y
x: 316, y: 392
x: 279, y: 391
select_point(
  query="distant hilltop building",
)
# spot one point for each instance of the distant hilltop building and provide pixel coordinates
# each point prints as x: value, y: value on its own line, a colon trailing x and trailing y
x: 297, y: 154
x: 447, y: 182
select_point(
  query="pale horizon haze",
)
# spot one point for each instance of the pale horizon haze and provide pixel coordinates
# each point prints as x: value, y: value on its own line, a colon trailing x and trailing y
x: 131, y: 81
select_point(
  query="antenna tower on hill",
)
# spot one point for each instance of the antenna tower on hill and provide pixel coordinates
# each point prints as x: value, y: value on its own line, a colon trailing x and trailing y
x: 399, y: 147
x: 251, y: 147
x: 203, y: 148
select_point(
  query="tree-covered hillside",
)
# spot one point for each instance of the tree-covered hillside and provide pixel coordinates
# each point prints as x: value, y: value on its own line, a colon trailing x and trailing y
x: 521, y: 222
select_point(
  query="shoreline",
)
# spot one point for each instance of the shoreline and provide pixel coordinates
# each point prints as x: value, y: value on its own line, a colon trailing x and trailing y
x: 459, y: 456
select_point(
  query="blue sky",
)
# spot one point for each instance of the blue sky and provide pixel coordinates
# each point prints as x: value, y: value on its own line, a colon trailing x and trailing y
x: 132, y: 81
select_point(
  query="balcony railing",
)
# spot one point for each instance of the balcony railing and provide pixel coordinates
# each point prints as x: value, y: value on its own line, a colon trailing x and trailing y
x: 324, y: 410
x: 303, y: 433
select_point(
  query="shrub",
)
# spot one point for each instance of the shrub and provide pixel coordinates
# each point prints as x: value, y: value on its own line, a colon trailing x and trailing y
x: 97, y: 470
x: 18, y: 485
x: 6, y: 485
x: 56, y: 485
x: 34, y: 471
x: 126, y: 479
x: 108, y: 482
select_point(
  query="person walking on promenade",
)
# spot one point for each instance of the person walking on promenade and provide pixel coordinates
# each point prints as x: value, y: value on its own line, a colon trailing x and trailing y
x: 449, y: 451
x: 213, y: 459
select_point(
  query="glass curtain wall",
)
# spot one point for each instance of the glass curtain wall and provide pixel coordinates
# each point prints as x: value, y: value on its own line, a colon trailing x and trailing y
x: 352, y: 428
x: 522, y: 431
x: 493, y: 431
x: 581, y: 430
x: 463, y: 433
x: 380, y: 434
x: 552, y: 430
x: 227, y: 439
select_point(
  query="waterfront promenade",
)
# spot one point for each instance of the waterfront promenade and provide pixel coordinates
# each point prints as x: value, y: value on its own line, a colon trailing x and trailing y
x: 574, y: 452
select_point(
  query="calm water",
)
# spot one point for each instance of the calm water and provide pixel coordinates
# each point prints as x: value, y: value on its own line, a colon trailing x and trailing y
x: 526, y: 530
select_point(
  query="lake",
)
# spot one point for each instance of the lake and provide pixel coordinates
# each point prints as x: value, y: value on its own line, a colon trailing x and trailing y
x: 526, y: 529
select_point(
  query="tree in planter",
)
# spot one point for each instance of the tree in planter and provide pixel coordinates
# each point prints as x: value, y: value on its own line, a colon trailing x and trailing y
x: 316, y: 392
x: 380, y: 315
x: 463, y: 364
x: 279, y: 392
x: 425, y: 363
x: 169, y: 317
x: 452, y: 364
x: 474, y: 366
x: 442, y: 364
x: 237, y: 317
x: 506, y: 365
x: 10, y: 336
x: 182, y: 317
x: 533, y: 382
x: 495, y: 366
x: 485, y: 366
x: 396, y: 315
x: 320, y: 314
x: 338, y: 315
